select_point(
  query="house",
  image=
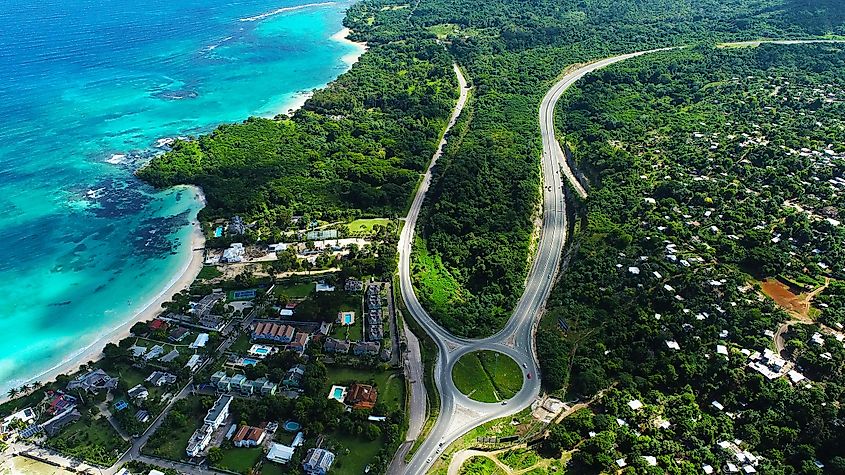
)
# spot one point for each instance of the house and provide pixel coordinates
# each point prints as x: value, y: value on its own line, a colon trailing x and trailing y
x: 361, y: 396
x: 234, y: 253
x: 93, y: 382
x: 25, y: 416
x: 138, y: 393
x: 54, y: 425
x: 201, y: 340
x: 154, y: 353
x: 59, y: 402
x: 178, y: 334
x: 324, y: 287
x: 248, y: 436
x: 142, y: 416
x: 174, y: 353
x: 280, y: 453
x: 264, y: 387
x: 273, y: 332
x: 137, y: 351
x: 158, y: 324
x: 219, y: 411
x: 333, y: 345
x: 193, y: 361
x: 160, y: 378
x: 318, y: 462
x: 237, y: 226
x: 299, y: 342
x: 199, y: 440
x: 366, y: 348
x: 353, y: 285
x: 325, y: 328
x: 293, y: 377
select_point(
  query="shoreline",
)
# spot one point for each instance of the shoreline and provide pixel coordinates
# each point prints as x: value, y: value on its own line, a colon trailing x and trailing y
x: 152, y: 309
x: 94, y: 351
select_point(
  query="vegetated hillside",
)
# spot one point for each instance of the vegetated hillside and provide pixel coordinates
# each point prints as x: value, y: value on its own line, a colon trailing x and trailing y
x: 356, y: 147
x: 477, y: 221
x: 712, y: 169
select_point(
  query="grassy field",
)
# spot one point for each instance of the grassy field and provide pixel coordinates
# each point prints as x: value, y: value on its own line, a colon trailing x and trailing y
x: 93, y: 440
x: 390, y: 386
x: 325, y: 305
x: 436, y: 286
x: 353, y: 453
x: 365, y: 226
x: 487, y: 376
x: 241, y: 345
x: 209, y: 272
x: 240, y: 460
x: 296, y: 289
x: 480, y: 466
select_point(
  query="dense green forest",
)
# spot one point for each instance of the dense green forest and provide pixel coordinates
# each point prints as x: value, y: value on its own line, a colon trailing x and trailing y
x: 355, y: 148
x: 711, y: 170
x: 478, y: 220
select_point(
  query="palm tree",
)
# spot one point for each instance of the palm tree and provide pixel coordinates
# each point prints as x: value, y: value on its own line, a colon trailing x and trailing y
x: 12, y: 392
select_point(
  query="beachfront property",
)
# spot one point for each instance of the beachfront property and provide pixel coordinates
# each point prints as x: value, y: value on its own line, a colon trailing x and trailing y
x: 345, y: 318
x: 233, y: 254
x: 333, y: 345
x: 178, y: 334
x: 318, y: 462
x: 281, y: 453
x: 273, y: 332
x: 59, y: 402
x: 93, y: 382
x: 361, y: 396
x: 213, y: 420
x: 293, y: 377
x: 248, y: 436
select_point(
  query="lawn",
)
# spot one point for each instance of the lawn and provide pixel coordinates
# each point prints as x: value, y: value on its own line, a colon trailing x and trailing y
x: 324, y: 306
x: 208, y: 273
x: 242, y: 344
x: 520, y: 459
x: 391, y: 389
x: 353, y: 453
x: 431, y: 278
x: 487, y: 376
x: 240, y: 460
x: 295, y: 288
x: 92, y: 440
x: 270, y: 468
x: 365, y: 226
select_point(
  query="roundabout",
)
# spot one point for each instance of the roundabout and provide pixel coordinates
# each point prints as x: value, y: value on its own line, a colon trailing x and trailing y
x: 487, y: 376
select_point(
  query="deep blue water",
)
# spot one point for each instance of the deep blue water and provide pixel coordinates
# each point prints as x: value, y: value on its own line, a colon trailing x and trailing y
x: 88, y: 87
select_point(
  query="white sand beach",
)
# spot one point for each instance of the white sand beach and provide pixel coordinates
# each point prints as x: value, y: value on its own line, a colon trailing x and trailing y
x: 179, y: 282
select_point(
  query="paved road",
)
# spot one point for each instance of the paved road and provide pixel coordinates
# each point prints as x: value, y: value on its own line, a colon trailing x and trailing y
x: 458, y: 413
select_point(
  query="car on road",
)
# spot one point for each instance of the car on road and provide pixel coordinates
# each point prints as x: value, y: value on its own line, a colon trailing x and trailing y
x: 524, y: 365
x: 529, y: 375
x: 504, y: 403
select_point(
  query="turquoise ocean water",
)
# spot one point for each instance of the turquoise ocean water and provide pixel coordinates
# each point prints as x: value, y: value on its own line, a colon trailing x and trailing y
x: 88, y: 88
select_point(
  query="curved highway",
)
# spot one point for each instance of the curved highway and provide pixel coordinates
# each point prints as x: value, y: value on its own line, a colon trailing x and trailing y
x: 458, y: 413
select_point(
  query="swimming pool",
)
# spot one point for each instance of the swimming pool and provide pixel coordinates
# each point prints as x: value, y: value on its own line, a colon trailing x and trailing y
x: 338, y: 393
x: 261, y: 351
x: 291, y: 426
x: 218, y: 232
x: 249, y: 361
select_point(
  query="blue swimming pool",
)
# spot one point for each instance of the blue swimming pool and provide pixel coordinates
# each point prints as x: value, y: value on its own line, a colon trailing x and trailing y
x: 249, y: 362
x: 218, y: 232
x: 291, y: 426
x: 261, y: 351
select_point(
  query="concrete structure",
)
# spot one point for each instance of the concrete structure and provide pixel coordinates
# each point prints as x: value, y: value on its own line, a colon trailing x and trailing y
x: 318, y: 462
